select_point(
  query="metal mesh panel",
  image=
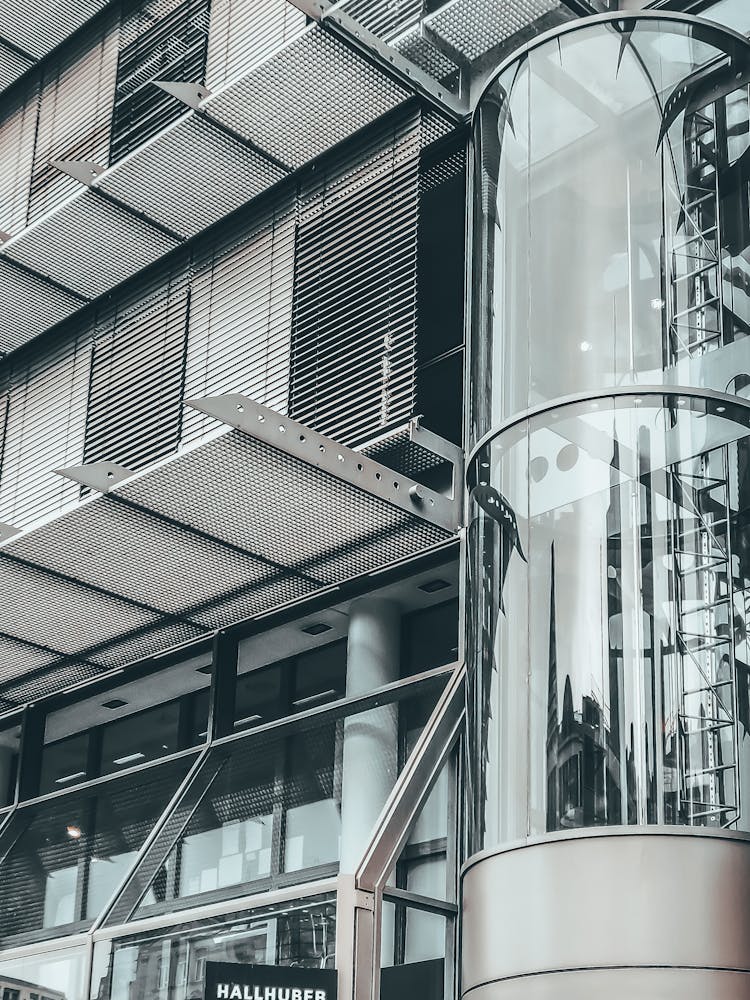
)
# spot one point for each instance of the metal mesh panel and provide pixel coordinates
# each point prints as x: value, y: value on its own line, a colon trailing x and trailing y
x: 28, y: 306
x: 31, y: 685
x: 170, y: 176
x: 89, y: 245
x: 38, y: 26
x: 18, y: 659
x: 473, y: 27
x: 245, y: 31
x: 302, y: 101
x: 384, y: 17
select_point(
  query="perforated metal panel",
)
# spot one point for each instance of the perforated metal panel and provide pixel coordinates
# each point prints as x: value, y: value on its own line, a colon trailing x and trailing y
x: 89, y: 245
x: 233, y: 528
x: 473, y: 27
x: 313, y: 93
x: 168, y: 179
x: 245, y: 31
x: 29, y: 305
x: 38, y: 26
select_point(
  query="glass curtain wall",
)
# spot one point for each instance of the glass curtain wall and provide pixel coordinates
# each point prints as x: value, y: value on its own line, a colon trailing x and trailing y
x: 609, y: 508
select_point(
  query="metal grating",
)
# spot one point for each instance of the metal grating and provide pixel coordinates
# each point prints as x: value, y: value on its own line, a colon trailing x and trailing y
x: 29, y: 305
x: 38, y: 26
x: 89, y: 245
x: 186, y: 160
x: 245, y: 31
x: 471, y: 28
x: 303, y: 100
x: 233, y: 528
x: 384, y: 17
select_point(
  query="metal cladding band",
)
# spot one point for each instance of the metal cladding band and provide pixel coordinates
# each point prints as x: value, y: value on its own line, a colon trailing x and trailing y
x: 620, y: 392
x: 703, y: 29
x: 662, y: 898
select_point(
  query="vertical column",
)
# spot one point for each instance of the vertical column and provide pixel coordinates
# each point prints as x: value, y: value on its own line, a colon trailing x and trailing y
x: 6, y: 766
x: 371, y: 738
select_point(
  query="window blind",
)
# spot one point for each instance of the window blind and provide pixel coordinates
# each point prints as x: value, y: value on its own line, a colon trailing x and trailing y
x: 159, y: 40
x: 245, y: 31
x: 354, y: 311
x: 240, y: 316
x: 137, y: 376
x: 75, y: 108
x: 17, y: 133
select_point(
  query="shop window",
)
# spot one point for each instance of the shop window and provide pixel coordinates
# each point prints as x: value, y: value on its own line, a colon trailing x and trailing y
x: 63, y: 859
x: 139, y: 738
x: 64, y: 763
x: 172, y: 962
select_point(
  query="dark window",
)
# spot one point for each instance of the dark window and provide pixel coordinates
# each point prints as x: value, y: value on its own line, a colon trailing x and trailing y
x: 139, y: 738
x: 65, y: 762
x: 430, y: 638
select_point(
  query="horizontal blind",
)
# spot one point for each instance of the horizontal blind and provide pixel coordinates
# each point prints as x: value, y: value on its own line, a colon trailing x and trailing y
x: 241, y: 316
x: 137, y: 377
x: 44, y: 428
x: 159, y: 40
x: 245, y: 31
x: 75, y: 112
x: 17, y: 134
x: 354, y: 319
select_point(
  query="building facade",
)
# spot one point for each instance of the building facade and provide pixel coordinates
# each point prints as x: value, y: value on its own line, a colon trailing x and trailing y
x: 373, y: 407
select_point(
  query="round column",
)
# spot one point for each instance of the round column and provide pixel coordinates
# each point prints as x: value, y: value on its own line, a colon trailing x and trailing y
x: 370, y: 738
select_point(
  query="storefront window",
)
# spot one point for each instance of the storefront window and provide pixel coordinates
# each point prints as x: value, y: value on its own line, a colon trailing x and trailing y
x: 53, y: 975
x: 170, y: 964
x: 64, y: 858
x: 265, y: 810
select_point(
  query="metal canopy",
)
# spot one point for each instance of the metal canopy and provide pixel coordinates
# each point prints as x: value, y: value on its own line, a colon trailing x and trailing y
x: 287, y: 110
x: 257, y: 517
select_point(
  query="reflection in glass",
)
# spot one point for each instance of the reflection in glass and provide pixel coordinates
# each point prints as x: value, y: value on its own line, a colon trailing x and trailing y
x: 65, y: 857
x: 54, y: 975
x: 613, y: 227
x: 264, y: 810
x: 170, y: 965
x: 413, y: 956
x: 611, y: 580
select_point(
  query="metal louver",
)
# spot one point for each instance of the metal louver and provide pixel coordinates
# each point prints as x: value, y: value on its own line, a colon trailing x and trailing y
x: 239, y: 525
x: 354, y: 319
x: 245, y: 31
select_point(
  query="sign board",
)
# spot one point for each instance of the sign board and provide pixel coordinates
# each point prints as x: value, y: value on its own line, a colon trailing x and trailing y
x: 233, y: 981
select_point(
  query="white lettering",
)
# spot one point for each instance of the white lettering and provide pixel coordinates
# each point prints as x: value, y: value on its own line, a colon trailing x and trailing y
x: 284, y: 993
x: 309, y: 995
x: 270, y: 993
x: 236, y: 993
x: 222, y: 991
x: 296, y: 994
x: 257, y: 995
x: 320, y: 995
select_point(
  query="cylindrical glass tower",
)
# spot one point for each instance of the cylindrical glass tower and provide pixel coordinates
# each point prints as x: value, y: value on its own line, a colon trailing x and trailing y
x: 609, y: 478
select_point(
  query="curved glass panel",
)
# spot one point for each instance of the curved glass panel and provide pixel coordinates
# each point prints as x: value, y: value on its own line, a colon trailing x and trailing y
x: 609, y: 596
x: 612, y: 224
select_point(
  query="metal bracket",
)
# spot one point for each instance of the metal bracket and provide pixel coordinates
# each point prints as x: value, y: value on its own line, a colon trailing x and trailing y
x: 99, y: 476
x: 8, y: 531
x: 83, y: 171
x: 312, y: 448
x: 190, y: 94
x: 387, y: 58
